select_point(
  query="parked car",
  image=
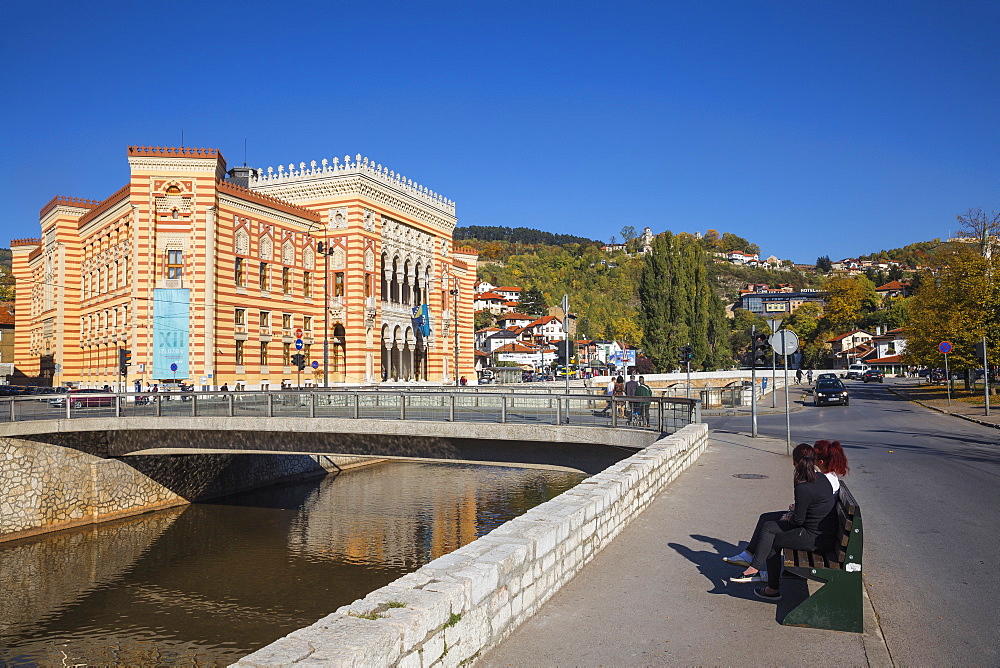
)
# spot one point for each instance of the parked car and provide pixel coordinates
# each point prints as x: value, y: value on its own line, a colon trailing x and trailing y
x: 13, y: 391
x: 830, y: 391
x: 873, y: 376
x: 83, y: 398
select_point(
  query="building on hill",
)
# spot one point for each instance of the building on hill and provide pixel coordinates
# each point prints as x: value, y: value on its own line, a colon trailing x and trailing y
x: 846, y: 348
x: 893, y: 289
x: 211, y: 277
x: 783, y: 299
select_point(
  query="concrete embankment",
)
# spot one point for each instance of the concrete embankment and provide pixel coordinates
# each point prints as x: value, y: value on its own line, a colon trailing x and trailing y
x: 453, y: 608
x: 46, y: 487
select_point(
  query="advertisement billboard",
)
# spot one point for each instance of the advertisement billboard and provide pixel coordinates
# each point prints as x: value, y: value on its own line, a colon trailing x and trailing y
x: 171, y: 332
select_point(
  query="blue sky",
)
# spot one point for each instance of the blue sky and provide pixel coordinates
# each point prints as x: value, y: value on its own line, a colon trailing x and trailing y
x: 810, y: 128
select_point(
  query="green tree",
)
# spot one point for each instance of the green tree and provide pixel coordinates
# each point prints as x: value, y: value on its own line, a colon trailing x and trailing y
x: 483, y: 319
x: 824, y: 263
x: 731, y: 242
x: 533, y: 303
x: 848, y: 298
x: 679, y: 305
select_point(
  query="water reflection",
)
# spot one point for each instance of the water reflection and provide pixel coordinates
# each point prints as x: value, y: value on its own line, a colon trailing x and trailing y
x: 211, y: 582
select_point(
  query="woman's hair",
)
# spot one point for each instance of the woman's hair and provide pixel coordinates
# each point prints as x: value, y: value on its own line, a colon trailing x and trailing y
x: 619, y: 379
x: 832, y: 454
x: 804, y: 458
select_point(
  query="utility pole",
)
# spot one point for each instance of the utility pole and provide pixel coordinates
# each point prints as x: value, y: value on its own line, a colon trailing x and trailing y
x: 753, y: 381
x: 454, y: 292
x: 565, y: 324
x: 324, y: 249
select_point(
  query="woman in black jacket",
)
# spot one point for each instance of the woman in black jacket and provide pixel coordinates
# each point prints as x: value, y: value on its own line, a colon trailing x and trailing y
x: 799, y: 529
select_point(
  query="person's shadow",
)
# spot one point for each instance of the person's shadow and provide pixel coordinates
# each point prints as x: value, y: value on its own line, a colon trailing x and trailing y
x: 794, y: 590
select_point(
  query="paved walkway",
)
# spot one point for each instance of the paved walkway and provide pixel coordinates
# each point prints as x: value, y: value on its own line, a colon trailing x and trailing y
x: 659, y: 595
x: 918, y: 391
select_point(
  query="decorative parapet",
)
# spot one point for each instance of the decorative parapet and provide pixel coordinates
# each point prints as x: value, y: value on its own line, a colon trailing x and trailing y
x: 25, y: 242
x: 360, y: 165
x: 466, y: 250
x: 172, y: 152
x: 60, y: 200
x: 267, y: 200
x: 105, y: 205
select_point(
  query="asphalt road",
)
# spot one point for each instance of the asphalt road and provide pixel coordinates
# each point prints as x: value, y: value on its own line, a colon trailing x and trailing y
x: 929, y: 489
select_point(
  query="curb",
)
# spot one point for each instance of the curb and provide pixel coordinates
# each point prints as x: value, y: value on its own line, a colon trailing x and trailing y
x: 943, y: 411
x: 876, y: 649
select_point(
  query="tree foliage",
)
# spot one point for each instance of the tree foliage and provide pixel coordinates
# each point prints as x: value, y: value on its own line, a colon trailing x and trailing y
x: 523, y: 235
x: 960, y: 305
x: 824, y: 263
x: 679, y: 305
x: 533, y: 302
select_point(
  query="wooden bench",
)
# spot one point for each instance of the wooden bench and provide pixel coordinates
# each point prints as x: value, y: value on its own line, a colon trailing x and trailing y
x: 837, y: 605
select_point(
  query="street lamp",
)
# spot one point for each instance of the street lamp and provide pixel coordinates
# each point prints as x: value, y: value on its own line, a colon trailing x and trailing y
x: 454, y: 293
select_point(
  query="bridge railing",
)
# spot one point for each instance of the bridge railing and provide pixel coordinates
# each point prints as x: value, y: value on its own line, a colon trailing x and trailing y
x: 663, y: 414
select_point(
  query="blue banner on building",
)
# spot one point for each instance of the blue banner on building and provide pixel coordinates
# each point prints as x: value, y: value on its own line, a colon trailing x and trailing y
x: 171, y: 331
x: 422, y: 319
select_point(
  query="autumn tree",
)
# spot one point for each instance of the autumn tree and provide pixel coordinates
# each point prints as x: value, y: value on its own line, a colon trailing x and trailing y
x: 533, y: 303
x: 679, y: 305
x: 960, y: 305
x: 982, y: 226
x: 848, y: 298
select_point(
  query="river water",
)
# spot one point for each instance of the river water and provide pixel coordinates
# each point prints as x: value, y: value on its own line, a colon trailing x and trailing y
x: 208, y: 583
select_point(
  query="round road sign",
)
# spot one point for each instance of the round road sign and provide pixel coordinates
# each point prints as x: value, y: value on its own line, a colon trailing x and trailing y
x: 944, y: 347
x: 173, y: 367
x: 315, y: 364
x: 784, y: 342
x: 298, y: 344
x: 298, y: 333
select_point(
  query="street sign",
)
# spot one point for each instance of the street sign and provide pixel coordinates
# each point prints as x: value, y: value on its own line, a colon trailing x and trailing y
x: 315, y: 364
x: 944, y: 347
x: 784, y: 342
x: 774, y: 324
x: 299, y: 333
x: 298, y: 344
x: 173, y: 367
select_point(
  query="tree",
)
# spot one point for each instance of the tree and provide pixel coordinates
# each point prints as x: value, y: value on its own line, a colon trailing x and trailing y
x: 848, y: 298
x: 679, y: 305
x: 483, y: 319
x: 824, y: 264
x: 960, y: 305
x: 982, y: 226
x: 628, y: 235
x: 731, y: 242
x: 533, y: 303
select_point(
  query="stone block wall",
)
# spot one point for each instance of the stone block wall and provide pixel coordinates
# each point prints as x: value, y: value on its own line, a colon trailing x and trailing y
x: 449, y: 611
x: 45, y: 487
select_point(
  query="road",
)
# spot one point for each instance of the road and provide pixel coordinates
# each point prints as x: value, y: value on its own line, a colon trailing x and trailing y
x: 929, y: 489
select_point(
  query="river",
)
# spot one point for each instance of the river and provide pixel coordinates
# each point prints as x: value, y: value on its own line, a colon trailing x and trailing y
x: 210, y: 582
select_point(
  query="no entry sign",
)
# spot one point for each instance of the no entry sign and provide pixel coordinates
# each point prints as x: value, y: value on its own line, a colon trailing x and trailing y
x: 944, y: 347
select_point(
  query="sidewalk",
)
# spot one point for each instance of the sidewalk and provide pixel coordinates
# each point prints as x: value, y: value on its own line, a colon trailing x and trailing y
x: 659, y: 594
x: 919, y: 392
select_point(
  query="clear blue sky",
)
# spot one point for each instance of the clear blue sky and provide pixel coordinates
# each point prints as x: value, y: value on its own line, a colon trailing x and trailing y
x: 810, y: 128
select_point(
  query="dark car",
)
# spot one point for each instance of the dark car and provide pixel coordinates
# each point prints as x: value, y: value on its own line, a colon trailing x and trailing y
x: 84, y: 398
x: 826, y: 375
x: 873, y: 376
x: 830, y: 391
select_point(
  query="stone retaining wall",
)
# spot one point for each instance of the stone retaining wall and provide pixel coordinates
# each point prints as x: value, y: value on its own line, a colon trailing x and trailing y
x: 45, y: 487
x: 458, y: 605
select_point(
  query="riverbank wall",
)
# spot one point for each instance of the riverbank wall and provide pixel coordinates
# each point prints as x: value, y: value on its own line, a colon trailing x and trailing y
x: 453, y: 608
x: 46, y: 487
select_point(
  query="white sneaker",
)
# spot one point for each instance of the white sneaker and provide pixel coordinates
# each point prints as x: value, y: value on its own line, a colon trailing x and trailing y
x: 759, y: 576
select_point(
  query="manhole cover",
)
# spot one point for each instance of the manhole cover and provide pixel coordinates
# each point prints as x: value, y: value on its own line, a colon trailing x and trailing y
x: 749, y: 476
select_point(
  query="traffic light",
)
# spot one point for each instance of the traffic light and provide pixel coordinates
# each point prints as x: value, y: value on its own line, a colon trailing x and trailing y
x: 686, y: 354
x: 124, y: 360
x: 299, y: 361
x: 320, y: 247
x: 760, y: 349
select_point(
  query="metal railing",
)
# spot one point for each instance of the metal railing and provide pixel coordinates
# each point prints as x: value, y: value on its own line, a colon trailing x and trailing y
x: 662, y: 414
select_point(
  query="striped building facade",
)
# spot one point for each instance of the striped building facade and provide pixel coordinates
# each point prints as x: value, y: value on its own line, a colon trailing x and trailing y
x: 212, y: 278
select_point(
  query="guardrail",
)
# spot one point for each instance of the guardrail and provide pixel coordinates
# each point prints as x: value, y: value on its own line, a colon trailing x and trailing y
x: 662, y: 414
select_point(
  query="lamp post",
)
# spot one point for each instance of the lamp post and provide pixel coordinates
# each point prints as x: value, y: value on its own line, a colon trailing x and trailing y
x: 326, y: 314
x: 454, y: 294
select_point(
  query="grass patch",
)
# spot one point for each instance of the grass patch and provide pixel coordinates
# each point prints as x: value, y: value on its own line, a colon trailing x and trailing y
x: 366, y: 615
x: 468, y: 662
x: 396, y: 604
x: 452, y: 620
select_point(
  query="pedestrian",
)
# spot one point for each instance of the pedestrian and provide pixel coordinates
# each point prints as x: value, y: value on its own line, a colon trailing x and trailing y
x: 225, y: 387
x: 798, y: 376
x: 643, y: 390
x: 463, y: 381
x: 801, y: 528
x: 619, y: 391
x: 809, y: 376
x: 630, y: 388
x: 609, y: 390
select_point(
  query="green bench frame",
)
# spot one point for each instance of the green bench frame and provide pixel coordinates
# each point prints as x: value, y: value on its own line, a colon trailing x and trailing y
x: 838, y: 604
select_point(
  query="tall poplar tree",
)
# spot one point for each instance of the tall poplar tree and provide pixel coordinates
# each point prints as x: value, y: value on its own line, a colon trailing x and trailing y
x: 679, y: 305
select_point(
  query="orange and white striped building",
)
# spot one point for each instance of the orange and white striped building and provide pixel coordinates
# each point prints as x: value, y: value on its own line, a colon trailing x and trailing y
x: 211, y: 278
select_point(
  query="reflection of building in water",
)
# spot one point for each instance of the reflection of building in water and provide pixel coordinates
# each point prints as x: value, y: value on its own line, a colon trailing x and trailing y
x: 393, y: 515
x: 49, y: 573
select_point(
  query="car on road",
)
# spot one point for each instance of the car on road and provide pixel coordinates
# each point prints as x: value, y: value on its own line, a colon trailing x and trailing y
x: 83, y: 398
x: 830, y: 391
x: 873, y: 376
x: 855, y: 371
x: 825, y: 375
